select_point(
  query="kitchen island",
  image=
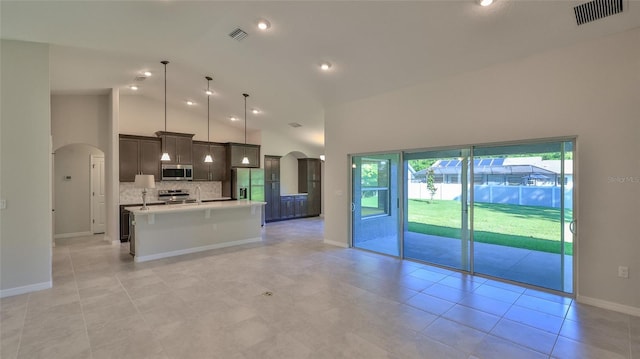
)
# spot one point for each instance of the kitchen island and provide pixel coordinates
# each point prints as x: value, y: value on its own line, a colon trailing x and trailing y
x: 171, y: 230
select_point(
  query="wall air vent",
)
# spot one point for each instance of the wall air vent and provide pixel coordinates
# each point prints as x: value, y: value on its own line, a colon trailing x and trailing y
x: 596, y: 9
x: 295, y: 124
x: 238, y: 34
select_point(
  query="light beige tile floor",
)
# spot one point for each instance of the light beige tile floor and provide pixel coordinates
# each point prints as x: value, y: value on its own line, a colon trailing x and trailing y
x: 327, y: 302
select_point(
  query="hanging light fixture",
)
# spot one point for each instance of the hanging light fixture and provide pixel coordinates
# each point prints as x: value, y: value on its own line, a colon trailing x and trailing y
x: 165, y: 154
x: 245, y: 159
x: 208, y: 158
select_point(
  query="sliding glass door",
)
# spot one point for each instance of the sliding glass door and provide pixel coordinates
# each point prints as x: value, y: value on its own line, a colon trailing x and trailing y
x: 504, y: 211
x: 375, y: 221
x: 522, y: 210
x: 436, y: 228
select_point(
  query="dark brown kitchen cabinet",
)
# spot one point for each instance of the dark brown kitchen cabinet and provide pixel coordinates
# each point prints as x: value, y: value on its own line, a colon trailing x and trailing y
x: 293, y: 206
x: 287, y: 207
x: 236, y: 151
x: 178, y: 146
x: 272, y: 168
x: 124, y: 224
x: 300, y: 206
x: 215, y: 171
x: 125, y: 217
x: 139, y: 155
x: 272, y: 187
x: 309, y: 182
x: 272, y: 197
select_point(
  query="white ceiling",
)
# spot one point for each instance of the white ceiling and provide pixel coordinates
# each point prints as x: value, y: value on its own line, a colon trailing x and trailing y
x: 374, y: 47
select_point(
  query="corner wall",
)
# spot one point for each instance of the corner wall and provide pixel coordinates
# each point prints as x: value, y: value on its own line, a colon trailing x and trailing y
x: 25, y: 168
x: 589, y: 90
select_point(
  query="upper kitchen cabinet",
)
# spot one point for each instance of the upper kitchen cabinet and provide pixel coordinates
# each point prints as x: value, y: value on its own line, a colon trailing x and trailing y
x: 272, y: 168
x: 178, y: 145
x: 215, y: 171
x: 308, y: 171
x: 139, y: 155
x: 236, y: 151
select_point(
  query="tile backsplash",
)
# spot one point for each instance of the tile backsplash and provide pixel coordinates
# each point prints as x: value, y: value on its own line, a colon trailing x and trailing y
x: 129, y: 194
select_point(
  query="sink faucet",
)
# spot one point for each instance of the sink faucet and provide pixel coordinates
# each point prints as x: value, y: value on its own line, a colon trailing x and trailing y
x: 198, y: 194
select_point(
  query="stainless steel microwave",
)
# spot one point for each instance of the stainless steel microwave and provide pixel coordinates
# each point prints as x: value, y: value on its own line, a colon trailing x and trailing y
x: 177, y: 172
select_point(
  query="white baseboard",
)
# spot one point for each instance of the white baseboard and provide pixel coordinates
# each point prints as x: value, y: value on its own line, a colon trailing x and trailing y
x: 337, y: 244
x: 604, y: 304
x: 194, y: 250
x: 26, y: 289
x: 71, y: 235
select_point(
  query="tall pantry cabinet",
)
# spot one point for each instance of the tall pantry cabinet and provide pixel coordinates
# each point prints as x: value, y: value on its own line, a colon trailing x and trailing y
x: 309, y: 181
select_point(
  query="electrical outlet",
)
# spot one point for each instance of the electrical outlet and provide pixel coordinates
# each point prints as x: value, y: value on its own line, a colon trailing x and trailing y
x: 623, y: 272
x: 3, y: 203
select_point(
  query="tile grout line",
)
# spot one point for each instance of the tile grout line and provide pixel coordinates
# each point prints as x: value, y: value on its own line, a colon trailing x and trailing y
x: 24, y: 321
x: 84, y: 319
x: 151, y: 329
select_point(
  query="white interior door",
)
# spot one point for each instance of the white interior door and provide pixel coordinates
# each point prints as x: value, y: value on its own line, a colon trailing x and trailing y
x: 98, y: 208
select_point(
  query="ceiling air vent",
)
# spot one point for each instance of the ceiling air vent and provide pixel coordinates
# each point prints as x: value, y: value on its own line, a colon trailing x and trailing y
x: 238, y: 34
x: 295, y: 124
x: 596, y: 9
x: 140, y: 78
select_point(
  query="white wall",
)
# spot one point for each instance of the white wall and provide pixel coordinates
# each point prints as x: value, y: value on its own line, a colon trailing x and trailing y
x: 142, y: 116
x: 72, y: 197
x: 590, y: 90
x: 289, y: 174
x: 80, y: 119
x: 25, y: 163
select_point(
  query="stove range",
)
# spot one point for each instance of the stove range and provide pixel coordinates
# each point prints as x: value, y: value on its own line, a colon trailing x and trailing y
x: 175, y: 196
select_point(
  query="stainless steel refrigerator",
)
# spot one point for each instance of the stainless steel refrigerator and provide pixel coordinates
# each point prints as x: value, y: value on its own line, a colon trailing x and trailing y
x: 247, y: 183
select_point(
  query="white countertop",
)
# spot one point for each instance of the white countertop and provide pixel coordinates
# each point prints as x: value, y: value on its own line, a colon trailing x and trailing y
x: 192, y: 207
x: 158, y: 202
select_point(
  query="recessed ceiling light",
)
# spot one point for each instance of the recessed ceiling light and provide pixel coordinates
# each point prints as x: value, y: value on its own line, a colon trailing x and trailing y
x: 325, y: 66
x: 255, y: 111
x: 190, y: 103
x: 485, y: 2
x: 233, y: 118
x: 134, y: 87
x: 147, y: 73
x: 209, y: 92
x: 264, y: 25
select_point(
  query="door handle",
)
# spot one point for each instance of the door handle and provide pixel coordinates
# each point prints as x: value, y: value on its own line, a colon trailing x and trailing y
x: 353, y: 207
x: 572, y: 226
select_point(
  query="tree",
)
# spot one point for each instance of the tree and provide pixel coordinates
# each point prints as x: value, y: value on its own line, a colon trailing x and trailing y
x: 431, y: 187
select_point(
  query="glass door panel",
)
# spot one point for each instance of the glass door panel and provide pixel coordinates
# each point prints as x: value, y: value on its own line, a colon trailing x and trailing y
x: 436, y: 227
x: 521, y: 196
x: 376, y: 217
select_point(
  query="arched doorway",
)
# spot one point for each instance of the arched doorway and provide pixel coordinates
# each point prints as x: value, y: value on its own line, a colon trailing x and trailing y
x: 78, y: 191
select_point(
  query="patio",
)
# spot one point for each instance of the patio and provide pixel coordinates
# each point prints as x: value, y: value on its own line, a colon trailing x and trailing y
x: 519, y: 265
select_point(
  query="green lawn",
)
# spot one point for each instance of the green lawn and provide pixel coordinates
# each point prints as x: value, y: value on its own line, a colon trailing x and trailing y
x: 530, y: 227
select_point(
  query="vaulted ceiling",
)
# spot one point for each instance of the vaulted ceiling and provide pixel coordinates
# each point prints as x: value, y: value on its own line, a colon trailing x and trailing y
x: 373, y: 46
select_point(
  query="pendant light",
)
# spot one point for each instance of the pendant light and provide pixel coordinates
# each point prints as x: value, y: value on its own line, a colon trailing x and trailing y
x: 165, y: 154
x: 245, y: 159
x: 208, y: 158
